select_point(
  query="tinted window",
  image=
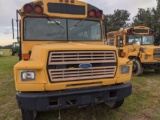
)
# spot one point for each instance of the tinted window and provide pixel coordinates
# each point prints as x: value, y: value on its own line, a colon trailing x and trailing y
x: 84, y: 30
x: 140, y: 39
x: 44, y: 29
x: 61, y: 29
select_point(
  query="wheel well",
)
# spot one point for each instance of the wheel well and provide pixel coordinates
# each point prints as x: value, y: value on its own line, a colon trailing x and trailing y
x: 131, y: 57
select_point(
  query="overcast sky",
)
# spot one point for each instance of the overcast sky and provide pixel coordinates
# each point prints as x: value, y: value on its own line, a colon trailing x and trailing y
x: 8, y: 11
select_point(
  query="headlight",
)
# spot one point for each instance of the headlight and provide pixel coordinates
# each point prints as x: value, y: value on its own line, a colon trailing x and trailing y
x: 146, y: 56
x: 28, y: 75
x: 124, y: 69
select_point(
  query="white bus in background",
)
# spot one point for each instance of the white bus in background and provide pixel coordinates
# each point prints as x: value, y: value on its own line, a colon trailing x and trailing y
x: 1, y: 52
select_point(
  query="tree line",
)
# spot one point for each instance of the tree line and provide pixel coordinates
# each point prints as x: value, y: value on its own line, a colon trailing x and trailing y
x: 6, y: 47
x: 149, y: 17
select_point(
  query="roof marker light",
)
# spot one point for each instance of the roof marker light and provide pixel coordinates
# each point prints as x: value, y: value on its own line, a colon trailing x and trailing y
x: 130, y: 31
x: 92, y: 13
x: 99, y: 13
x: 28, y: 8
x: 66, y: 1
x: 151, y: 32
x: 72, y: 1
x: 38, y: 9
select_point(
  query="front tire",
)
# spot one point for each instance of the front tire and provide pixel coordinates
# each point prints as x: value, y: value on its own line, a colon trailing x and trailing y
x: 115, y: 104
x: 137, y: 68
x: 28, y: 115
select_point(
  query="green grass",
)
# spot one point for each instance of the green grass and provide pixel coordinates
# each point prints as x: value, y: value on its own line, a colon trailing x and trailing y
x: 143, y: 104
x: 8, y: 105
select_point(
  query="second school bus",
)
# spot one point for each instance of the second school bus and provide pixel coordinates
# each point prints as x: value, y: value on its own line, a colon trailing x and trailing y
x: 64, y: 62
x: 137, y: 44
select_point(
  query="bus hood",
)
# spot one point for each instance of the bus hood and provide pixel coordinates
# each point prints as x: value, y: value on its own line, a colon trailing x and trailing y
x: 150, y: 48
x: 74, y: 46
x: 45, y: 54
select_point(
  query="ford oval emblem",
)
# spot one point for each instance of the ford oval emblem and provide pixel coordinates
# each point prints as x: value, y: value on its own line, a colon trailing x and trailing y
x: 85, y: 66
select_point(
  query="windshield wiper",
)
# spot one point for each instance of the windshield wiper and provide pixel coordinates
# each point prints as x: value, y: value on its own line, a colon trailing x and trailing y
x: 58, y: 23
x: 76, y: 24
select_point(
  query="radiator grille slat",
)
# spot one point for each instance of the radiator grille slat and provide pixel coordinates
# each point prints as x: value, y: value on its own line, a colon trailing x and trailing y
x: 75, y: 75
x: 156, y: 54
x: 81, y: 78
x: 79, y: 59
x: 85, y: 55
x: 79, y: 62
x: 84, y: 71
x: 73, y: 58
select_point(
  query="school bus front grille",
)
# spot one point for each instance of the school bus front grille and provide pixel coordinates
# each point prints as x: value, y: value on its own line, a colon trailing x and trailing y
x: 64, y: 66
x: 156, y: 54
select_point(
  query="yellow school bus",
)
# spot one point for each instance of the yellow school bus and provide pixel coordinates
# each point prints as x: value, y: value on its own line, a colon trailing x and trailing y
x: 137, y: 44
x: 63, y: 59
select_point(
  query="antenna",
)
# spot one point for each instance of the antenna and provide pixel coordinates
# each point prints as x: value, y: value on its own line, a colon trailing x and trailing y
x: 13, y: 27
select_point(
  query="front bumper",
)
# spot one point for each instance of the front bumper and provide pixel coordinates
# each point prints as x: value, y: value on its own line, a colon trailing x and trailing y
x: 45, y: 101
x: 151, y: 65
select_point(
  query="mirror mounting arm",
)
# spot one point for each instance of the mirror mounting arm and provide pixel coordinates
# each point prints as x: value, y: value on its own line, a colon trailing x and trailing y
x: 105, y: 27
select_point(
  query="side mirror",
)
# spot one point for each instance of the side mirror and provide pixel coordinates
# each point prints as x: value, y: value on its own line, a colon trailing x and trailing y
x: 121, y: 43
x: 105, y: 27
x: 142, y: 49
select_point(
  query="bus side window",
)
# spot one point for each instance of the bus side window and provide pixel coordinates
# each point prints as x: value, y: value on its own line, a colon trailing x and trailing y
x: 111, y: 41
x: 119, y: 41
x: 95, y: 32
x: 14, y: 45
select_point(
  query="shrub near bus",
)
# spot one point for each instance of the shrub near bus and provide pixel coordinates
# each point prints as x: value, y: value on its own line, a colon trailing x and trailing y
x: 137, y: 44
x: 64, y: 62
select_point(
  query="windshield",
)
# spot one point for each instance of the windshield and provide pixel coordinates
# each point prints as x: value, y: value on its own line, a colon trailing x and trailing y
x: 17, y: 44
x: 140, y: 39
x: 61, y: 29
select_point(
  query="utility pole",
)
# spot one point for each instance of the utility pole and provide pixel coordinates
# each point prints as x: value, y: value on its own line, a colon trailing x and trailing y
x: 158, y: 4
x: 158, y: 22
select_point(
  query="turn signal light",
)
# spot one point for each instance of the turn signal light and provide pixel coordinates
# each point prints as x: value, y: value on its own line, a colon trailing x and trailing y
x: 38, y: 9
x: 25, y: 56
x: 151, y: 32
x: 92, y: 13
x: 123, y: 54
x: 28, y: 8
x: 130, y: 31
